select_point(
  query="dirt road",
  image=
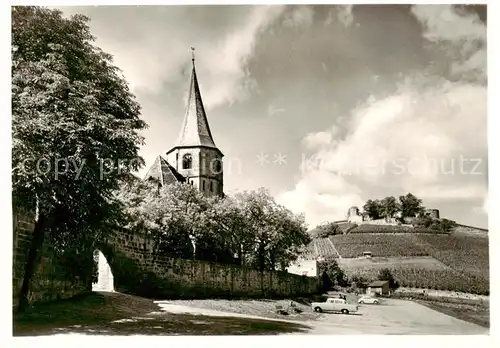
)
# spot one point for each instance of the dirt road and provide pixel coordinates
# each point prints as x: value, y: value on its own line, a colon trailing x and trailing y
x: 392, y: 317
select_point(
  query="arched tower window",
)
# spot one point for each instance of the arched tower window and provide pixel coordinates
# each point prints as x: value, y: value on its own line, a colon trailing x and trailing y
x: 187, y: 161
x: 217, y: 166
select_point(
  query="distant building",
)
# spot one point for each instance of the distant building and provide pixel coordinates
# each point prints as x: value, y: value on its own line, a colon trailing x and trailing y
x: 433, y: 213
x: 380, y: 287
x: 308, y: 268
x: 354, y: 216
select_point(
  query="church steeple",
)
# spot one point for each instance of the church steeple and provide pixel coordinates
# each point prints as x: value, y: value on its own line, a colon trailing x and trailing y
x: 195, y: 156
x: 195, y: 130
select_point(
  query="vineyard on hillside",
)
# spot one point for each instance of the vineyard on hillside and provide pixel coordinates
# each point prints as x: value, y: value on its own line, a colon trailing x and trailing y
x: 321, y: 247
x: 438, y: 279
x: 378, y: 244
x: 461, y: 252
x: 464, y: 259
x: 450, y: 280
x: 325, y: 248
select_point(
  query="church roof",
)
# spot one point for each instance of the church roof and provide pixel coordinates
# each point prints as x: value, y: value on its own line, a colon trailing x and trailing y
x: 162, y: 171
x: 195, y: 130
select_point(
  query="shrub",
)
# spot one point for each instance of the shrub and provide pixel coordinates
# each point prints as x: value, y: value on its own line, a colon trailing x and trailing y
x: 326, y: 230
x: 331, y: 273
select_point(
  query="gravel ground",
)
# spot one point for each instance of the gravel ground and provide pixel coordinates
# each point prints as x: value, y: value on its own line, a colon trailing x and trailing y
x: 112, y: 313
x: 391, y: 317
x: 259, y: 308
x: 119, y: 314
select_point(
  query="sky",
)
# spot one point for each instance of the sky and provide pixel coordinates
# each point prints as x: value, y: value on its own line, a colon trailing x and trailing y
x: 326, y: 106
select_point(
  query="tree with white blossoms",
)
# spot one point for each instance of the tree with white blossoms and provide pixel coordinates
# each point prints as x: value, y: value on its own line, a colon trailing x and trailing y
x: 175, y: 216
x: 75, y: 131
x: 248, y: 225
x: 230, y: 223
x: 291, y: 238
x: 277, y: 233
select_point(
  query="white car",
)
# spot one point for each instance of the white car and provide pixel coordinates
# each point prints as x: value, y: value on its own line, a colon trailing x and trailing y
x: 368, y: 299
x: 334, y: 305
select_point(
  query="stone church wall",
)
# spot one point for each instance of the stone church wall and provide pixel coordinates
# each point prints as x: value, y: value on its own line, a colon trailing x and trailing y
x: 139, y: 271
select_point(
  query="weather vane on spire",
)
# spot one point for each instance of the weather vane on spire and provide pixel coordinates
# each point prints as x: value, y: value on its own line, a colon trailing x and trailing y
x: 192, y: 54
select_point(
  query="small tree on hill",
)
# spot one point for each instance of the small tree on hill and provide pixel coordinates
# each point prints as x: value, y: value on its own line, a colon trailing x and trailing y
x: 443, y: 225
x: 446, y: 225
x: 327, y: 229
x: 423, y: 222
x: 359, y: 281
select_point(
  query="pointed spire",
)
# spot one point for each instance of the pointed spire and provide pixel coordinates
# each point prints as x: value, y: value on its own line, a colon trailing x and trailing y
x: 195, y: 130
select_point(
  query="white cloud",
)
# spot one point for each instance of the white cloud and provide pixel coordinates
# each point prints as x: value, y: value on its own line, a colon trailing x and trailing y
x: 229, y: 79
x: 315, y: 140
x: 322, y: 196
x: 462, y: 34
x: 150, y: 60
x: 415, y: 140
x: 301, y: 16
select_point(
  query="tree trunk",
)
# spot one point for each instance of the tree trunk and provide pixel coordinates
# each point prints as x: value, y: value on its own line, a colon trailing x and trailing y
x: 240, y: 255
x: 273, y: 260
x: 36, y: 244
x: 262, y: 257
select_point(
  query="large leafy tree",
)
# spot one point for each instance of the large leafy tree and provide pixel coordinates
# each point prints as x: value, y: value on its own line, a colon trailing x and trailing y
x: 249, y: 228
x: 373, y: 209
x: 291, y: 238
x: 75, y: 130
x: 172, y: 215
x: 389, y: 207
x: 230, y: 224
x: 410, y: 206
x: 278, y: 234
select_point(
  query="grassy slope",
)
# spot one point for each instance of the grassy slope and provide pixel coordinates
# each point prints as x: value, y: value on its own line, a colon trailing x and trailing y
x: 94, y: 313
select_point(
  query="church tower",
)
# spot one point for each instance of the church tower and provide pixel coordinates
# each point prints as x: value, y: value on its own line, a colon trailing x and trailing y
x: 195, y: 155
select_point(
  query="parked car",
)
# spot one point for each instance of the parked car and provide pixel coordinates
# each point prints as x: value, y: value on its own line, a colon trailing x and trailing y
x: 334, y: 305
x: 369, y: 299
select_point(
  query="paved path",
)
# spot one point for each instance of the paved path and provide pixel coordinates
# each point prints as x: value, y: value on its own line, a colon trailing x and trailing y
x: 393, y: 317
